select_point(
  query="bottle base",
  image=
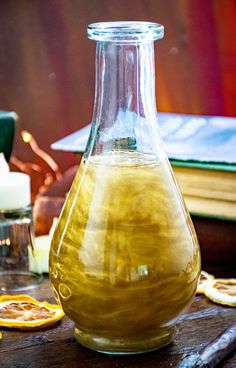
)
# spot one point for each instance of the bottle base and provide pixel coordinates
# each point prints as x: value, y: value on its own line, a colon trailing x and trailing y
x: 125, y: 346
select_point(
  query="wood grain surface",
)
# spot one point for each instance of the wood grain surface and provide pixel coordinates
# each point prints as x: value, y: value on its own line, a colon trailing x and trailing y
x: 57, y: 347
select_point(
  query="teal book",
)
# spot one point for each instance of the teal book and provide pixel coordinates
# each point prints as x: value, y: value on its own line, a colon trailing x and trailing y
x: 7, y: 132
x: 202, y: 152
x: 188, y: 140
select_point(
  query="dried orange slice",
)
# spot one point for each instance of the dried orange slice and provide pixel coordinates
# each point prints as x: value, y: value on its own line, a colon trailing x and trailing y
x: 24, y: 312
x: 222, y: 291
x: 202, y: 282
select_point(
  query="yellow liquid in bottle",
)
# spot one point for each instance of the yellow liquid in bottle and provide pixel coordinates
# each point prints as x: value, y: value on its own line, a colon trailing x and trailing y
x: 124, y: 260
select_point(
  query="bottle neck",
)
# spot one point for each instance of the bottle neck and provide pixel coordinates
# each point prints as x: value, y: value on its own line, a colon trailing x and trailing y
x: 125, y: 83
x: 124, y: 116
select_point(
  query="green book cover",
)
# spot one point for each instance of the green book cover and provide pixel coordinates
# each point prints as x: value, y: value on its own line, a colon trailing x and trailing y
x: 7, y: 131
x: 205, y: 165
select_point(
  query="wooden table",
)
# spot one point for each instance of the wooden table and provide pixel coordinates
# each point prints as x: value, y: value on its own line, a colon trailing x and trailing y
x: 57, y: 347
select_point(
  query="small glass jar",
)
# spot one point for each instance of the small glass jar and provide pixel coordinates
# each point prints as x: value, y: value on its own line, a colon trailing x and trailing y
x: 16, y: 237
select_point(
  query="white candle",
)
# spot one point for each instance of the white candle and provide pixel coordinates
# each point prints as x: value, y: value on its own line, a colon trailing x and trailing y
x: 14, y: 188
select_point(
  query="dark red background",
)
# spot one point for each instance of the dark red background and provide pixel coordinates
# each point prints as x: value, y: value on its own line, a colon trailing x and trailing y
x: 47, y: 62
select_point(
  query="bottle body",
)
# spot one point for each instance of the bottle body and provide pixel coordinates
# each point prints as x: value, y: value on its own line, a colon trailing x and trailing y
x: 124, y: 259
x: 128, y: 262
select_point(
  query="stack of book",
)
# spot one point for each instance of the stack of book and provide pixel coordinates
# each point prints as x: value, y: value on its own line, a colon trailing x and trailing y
x: 202, y: 152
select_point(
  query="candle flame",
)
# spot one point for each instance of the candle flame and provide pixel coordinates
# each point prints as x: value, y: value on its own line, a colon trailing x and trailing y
x: 26, y: 136
x: 6, y: 241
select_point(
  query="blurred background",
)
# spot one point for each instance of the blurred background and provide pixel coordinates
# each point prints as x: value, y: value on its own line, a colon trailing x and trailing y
x: 47, y: 62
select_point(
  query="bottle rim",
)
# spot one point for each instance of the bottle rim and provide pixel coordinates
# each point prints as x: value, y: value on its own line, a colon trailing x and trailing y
x: 125, y: 31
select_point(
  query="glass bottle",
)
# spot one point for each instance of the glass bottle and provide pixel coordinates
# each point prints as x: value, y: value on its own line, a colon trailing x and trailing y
x: 124, y: 260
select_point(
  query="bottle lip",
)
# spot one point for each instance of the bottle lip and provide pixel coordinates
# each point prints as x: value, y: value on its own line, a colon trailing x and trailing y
x: 125, y: 32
